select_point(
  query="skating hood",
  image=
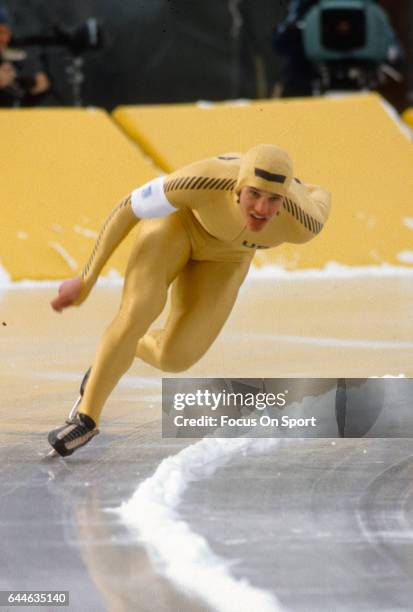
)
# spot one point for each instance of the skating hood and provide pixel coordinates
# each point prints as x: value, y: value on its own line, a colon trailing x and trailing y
x: 265, y: 167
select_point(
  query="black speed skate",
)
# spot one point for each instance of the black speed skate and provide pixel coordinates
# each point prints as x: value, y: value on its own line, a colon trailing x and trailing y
x: 78, y: 430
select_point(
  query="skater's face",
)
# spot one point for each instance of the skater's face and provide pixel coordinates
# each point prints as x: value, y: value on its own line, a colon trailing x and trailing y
x: 258, y: 207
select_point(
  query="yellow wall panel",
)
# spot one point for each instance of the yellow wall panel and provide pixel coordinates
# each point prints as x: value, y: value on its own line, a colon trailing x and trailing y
x: 62, y: 172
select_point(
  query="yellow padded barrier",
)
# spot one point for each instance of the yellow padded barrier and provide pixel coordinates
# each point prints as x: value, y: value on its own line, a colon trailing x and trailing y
x: 407, y: 116
x: 351, y: 145
x: 62, y: 171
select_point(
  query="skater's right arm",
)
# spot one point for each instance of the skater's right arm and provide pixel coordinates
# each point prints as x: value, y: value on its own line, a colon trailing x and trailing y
x: 74, y: 291
x: 115, y: 229
x: 158, y: 198
x: 147, y: 201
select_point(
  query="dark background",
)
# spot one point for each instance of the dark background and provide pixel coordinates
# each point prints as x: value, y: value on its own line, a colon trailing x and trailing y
x: 159, y: 51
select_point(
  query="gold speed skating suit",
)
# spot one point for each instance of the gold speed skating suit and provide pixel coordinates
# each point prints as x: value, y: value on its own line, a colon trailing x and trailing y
x: 191, y: 234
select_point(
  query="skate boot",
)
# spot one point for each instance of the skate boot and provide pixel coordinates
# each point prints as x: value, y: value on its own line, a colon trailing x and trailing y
x: 83, y: 425
x: 77, y: 432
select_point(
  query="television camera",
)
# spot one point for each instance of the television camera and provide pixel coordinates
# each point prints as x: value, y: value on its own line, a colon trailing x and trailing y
x: 347, y: 44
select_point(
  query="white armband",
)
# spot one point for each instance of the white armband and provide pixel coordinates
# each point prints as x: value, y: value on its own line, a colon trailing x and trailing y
x: 149, y: 201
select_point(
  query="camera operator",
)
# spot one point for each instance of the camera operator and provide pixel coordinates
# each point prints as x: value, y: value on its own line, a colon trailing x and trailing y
x: 23, y: 82
x: 297, y: 72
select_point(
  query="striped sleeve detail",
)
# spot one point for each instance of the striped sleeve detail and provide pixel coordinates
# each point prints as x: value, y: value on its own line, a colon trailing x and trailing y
x: 311, y: 224
x: 125, y: 202
x: 187, y: 183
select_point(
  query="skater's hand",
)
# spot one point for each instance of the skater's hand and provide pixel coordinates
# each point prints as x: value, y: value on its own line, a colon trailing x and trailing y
x: 68, y: 293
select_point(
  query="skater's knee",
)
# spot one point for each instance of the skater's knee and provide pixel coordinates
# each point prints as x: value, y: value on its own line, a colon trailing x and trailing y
x: 177, y: 361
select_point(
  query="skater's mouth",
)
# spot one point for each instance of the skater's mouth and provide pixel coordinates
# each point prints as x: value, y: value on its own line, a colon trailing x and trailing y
x: 258, y: 217
x: 257, y: 222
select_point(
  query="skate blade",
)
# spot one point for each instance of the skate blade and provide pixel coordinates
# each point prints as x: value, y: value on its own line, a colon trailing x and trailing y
x: 52, y: 457
x: 52, y: 454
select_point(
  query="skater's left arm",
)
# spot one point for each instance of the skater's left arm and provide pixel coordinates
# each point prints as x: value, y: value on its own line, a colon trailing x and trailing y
x: 308, y: 208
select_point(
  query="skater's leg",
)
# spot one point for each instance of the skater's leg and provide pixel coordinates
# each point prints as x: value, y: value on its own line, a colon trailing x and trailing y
x: 202, y: 298
x: 161, y: 251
